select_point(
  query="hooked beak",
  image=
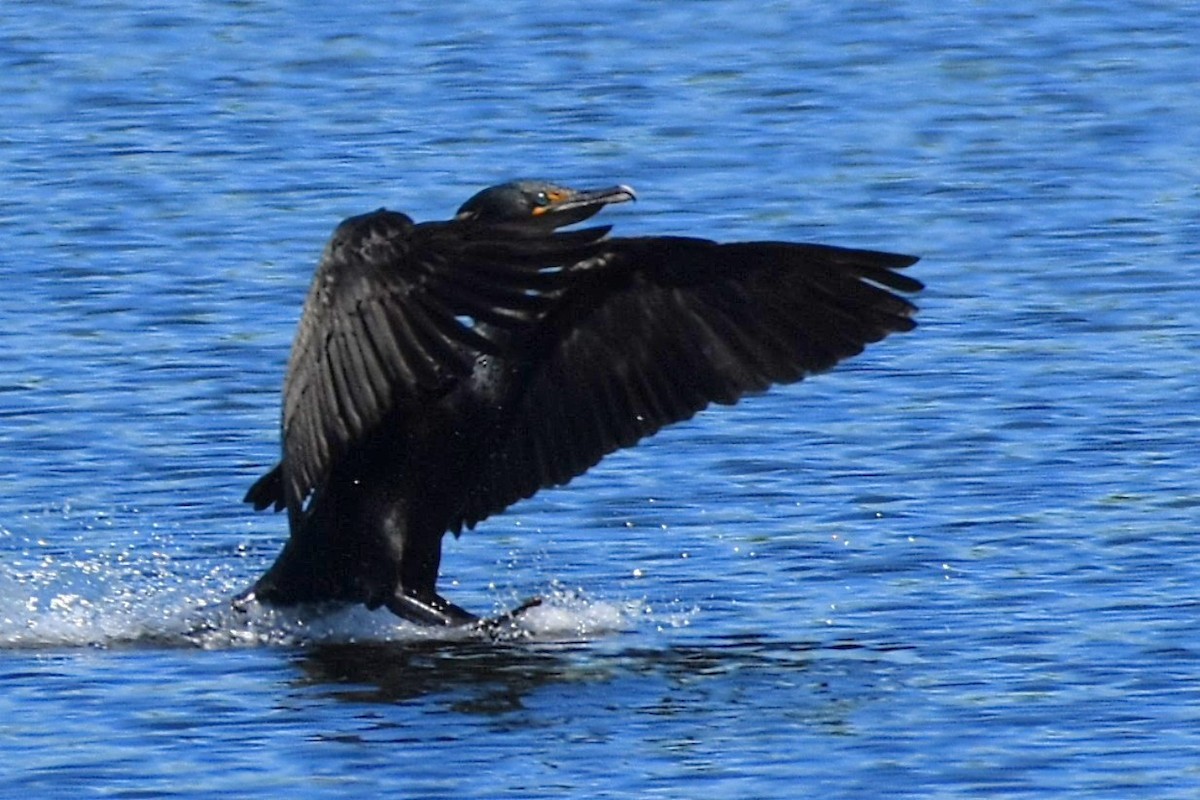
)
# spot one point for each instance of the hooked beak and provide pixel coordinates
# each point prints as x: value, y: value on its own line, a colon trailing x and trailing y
x: 568, y: 206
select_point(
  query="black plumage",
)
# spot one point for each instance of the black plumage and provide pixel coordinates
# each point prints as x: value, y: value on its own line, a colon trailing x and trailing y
x: 442, y: 371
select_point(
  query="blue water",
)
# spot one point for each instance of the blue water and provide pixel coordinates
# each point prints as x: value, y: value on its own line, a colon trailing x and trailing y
x: 965, y: 564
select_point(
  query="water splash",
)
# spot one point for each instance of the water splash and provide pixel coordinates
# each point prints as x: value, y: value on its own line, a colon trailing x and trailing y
x: 102, y: 601
x: 561, y: 616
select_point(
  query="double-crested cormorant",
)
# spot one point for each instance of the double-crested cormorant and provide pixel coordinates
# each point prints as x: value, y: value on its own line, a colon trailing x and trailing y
x: 442, y: 371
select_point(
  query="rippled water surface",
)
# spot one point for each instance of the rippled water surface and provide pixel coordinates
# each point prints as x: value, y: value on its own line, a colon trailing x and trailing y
x: 963, y: 564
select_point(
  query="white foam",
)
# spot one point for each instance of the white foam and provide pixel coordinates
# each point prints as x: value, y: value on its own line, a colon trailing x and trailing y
x: 560, y: 616
x: 108, y: 605
x: 570, y: 615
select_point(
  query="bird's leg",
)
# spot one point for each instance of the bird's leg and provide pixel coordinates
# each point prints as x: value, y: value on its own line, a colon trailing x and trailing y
x: 429, y: 609
x: 437, y: 611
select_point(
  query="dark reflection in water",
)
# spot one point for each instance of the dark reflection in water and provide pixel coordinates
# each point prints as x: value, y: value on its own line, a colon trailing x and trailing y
x: 483, y: 677
x: 493, y: 678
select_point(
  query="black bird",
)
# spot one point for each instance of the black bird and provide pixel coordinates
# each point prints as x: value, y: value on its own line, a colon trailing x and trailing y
x: 443, y: 371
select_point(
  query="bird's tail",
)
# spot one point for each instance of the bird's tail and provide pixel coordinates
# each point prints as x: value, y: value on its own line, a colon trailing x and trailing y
x: 267, y: 490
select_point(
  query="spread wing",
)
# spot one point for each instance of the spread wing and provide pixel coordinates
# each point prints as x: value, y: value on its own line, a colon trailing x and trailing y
x: 669, y: 325
x: 394, y: 316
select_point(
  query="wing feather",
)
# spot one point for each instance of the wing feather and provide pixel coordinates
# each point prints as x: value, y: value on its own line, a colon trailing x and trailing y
x: 663, y: 327
x: 392, y: 320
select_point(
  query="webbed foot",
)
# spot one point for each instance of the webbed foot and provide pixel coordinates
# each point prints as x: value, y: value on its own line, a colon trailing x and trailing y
x: 241, y: 602
x: 494, y: 626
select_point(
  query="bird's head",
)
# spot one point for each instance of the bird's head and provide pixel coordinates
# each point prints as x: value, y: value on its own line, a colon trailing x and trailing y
x: 540, y: 203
